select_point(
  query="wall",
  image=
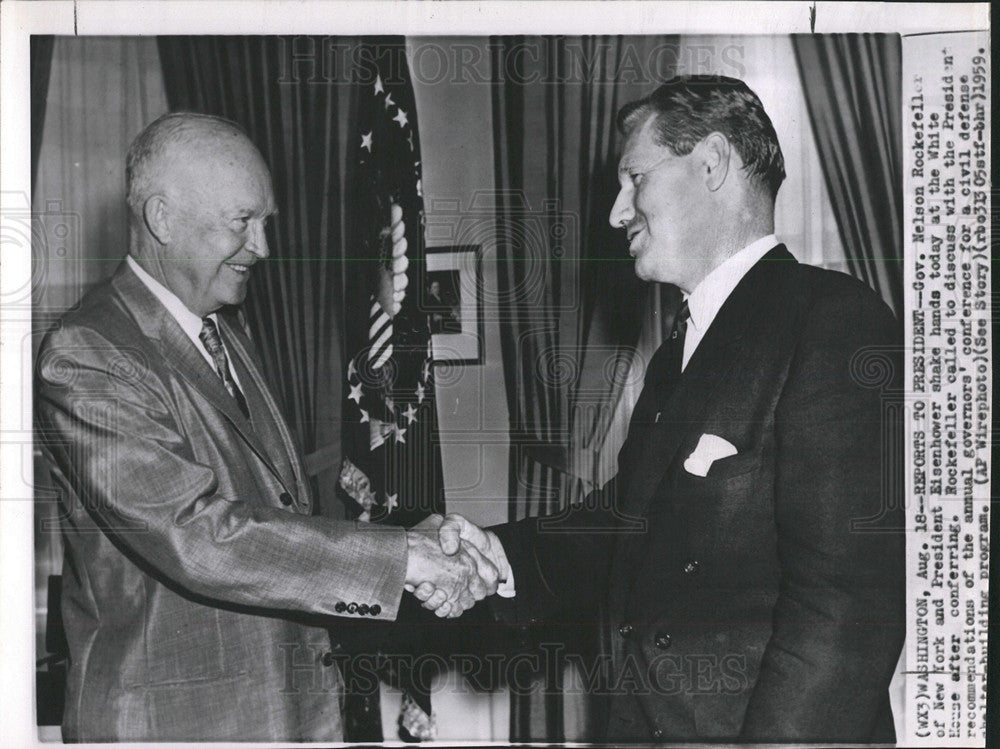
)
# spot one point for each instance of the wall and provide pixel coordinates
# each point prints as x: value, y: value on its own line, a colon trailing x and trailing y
x: 456, y: 141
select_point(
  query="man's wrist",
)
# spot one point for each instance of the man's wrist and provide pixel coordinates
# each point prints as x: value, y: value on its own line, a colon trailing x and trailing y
x: 414, y: 559
x: 506, y: 587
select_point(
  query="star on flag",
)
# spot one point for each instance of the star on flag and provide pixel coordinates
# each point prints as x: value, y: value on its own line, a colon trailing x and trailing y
x: 420, y: 392
x: 366, y: 141
x: 355, y: 393
x: 391, y: 502
x: 410, y: 413
x: 401, y: 118
x: 378, y: 85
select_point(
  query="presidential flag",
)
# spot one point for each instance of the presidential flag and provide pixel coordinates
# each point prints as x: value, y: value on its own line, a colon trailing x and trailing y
x: 391, y: 470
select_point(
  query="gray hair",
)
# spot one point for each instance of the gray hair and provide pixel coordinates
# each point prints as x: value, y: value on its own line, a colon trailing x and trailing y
x: 157, y: 139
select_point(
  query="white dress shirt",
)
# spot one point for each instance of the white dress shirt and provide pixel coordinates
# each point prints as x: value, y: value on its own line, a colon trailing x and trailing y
x: 190, y: 323
x: 708, y: 296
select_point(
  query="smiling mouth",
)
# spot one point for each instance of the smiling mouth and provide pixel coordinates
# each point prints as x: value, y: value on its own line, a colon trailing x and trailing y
x: 240, y: 268
x: 631, y: 241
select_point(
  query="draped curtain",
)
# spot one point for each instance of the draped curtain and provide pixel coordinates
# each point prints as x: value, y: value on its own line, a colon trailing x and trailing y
x: 101, y: 92
x: 566, y: 284
x: 41, y: 63
x: 853, y: 86
x: 293, y: 102
x: 571, y: 306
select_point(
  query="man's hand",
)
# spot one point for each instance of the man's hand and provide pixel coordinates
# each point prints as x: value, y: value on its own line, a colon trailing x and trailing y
x: 392, y: 281
x: 446, y: 584
x: 457, y: 532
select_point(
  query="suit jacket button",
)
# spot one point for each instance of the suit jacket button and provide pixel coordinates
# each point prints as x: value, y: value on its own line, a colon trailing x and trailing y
x: 663, y: 641
x: 658, y: 735
x: 691, y: 568
x: 340, y: 607
x: 328, y: 659
x: 625, y: 630
x: 375, y: 610
x: 352, y: 608
x: 285, y: 499
x: 363, y: 609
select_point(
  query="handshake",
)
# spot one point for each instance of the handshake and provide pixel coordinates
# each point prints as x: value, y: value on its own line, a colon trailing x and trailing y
x: 452, y: 563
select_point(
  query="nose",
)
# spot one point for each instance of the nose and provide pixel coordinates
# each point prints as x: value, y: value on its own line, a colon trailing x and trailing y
x: 257, y: 243
x: 622, y: 211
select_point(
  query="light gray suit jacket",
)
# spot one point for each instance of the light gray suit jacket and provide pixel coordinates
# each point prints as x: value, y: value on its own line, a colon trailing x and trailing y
x: 196, y: 580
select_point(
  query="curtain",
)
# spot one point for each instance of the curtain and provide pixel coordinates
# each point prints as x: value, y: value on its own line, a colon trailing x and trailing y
x: 41, y: 63
x: 102, y: 91
x: 293, y: 102
x: 567, y: 289
x: 853, y: 88
x: 571, y: 306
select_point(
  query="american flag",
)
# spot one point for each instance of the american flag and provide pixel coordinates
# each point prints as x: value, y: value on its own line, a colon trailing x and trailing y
x: 389, y: 411
x: 392, y: 461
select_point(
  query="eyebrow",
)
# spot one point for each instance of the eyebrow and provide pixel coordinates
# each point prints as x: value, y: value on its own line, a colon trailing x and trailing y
x: 626, y: 165
x: 244, y: 210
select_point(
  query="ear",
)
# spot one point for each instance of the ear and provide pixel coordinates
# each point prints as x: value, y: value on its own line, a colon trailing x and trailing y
x: 716, y: 155
x: 156, y: 215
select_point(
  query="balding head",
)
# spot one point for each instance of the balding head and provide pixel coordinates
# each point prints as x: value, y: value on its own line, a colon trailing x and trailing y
x: 172, y: 143
x: 200, y: 195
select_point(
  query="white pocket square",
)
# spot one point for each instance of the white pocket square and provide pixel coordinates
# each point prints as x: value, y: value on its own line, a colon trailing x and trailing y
x: 710, y: 449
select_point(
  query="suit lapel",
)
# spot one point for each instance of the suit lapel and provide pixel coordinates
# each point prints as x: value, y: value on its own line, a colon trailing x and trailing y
x: 182, y: 356
x: 699, y: 385
x: 242, y: 348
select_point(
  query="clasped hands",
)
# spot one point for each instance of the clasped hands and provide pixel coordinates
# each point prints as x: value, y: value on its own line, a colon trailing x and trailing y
x: 452, y: 563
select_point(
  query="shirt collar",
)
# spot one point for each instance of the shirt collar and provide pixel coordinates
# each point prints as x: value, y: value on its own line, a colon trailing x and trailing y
x: 190, y: 323
x: 708, y: 297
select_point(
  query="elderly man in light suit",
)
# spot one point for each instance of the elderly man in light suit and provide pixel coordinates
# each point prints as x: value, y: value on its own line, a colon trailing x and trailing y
x: 749, y: 553
x: 197, y: 583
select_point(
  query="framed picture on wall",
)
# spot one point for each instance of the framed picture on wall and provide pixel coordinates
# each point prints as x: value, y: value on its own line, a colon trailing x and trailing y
x: 452, y: 296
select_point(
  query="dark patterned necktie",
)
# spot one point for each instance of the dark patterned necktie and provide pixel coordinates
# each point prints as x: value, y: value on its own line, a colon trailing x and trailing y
x: 213, y: 344
x: 676, y: 341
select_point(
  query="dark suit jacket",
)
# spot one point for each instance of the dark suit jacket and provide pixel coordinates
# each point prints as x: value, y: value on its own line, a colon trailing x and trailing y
x: 192, y: 558
x: 765, y: 600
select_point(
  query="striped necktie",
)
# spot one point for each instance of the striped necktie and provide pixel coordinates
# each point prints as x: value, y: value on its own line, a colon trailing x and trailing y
x: 213, y: 344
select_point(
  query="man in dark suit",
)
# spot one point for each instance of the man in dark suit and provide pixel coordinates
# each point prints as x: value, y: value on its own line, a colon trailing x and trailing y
x: 197, y: 581
x: 749, y: 555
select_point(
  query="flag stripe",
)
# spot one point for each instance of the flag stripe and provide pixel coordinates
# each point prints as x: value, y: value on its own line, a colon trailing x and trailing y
x: 379, y: 327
